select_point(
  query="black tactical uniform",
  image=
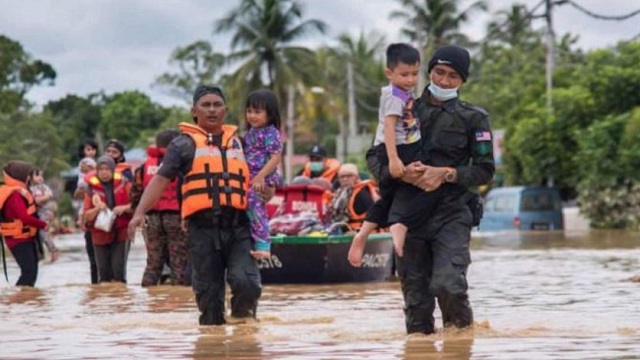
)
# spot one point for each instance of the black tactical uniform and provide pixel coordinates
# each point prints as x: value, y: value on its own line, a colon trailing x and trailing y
x: 436, y: 253
x: 219, y: 248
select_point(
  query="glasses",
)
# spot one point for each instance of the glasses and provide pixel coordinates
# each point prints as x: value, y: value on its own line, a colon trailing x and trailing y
x: 345, y: 176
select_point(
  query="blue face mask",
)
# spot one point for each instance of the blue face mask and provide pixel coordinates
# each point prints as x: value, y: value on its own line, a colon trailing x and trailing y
x: 316, y: 166
x: 442, y: 94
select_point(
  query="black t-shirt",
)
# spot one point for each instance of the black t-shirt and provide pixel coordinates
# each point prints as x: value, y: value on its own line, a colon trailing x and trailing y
x: 177, y: 161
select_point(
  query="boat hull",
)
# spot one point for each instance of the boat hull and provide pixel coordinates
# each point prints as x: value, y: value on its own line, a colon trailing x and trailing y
x: 313, y: 260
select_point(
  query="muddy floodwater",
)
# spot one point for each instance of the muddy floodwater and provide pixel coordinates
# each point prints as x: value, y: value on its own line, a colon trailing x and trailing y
x: 535, y: 296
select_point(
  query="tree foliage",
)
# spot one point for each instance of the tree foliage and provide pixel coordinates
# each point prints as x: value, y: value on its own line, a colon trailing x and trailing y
x: 19, y: 73
x: 264, y: 39
x: 125, y: 114
x: 75, y: 118
x: 198, y: 64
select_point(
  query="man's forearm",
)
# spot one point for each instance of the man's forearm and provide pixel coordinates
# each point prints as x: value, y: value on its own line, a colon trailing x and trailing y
x: 152, y: 193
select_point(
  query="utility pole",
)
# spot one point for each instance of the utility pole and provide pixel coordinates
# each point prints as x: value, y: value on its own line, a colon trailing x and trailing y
x: 288, y: 167
x: 351, y: 90
x: 551, y: 43
x: 422, y: 72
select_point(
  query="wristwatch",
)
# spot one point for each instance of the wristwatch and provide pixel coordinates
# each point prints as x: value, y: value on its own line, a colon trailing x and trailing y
x: 450, y: 175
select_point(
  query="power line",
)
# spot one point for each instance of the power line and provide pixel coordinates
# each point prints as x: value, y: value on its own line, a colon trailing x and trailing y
x: 603, y: 17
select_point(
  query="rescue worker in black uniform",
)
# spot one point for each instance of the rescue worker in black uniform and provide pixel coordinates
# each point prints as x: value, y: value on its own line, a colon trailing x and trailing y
x: 215, y: 180
x: 457, y: 146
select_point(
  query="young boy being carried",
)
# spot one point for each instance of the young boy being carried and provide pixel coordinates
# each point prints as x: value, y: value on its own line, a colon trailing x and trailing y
x: 397, y: 143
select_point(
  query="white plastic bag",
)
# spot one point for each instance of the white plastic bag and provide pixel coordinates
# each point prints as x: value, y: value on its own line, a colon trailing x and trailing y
x: 105, y: 220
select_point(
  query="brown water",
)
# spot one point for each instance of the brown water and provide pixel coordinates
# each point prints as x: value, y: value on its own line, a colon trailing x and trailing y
x: 535, y: 296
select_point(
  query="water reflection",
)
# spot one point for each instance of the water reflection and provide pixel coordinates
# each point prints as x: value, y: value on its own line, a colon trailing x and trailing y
x: 534, y: 295
x: 228, y: 343
x: 24, y: 296
x: 452, y: 346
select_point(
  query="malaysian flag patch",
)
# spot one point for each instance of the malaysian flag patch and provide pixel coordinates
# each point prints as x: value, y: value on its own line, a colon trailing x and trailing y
x: 483, y: 136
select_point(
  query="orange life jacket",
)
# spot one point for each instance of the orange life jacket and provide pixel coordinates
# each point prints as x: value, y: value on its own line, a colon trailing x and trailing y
x: 15, y: 228
x: 169, y: 198
x: 329, y: 172
x: 219, y: 176
x: 120, y: 167
x: 120, y: 196
x: 355, y: 219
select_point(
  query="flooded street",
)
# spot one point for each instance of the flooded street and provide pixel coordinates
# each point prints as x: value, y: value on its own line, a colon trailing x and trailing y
x: 535, y: 296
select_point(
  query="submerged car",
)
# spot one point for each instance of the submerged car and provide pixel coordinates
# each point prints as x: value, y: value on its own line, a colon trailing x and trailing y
x: 522, y: 208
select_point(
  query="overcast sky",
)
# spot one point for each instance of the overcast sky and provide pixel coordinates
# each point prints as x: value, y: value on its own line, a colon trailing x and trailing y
x: 116, y: 45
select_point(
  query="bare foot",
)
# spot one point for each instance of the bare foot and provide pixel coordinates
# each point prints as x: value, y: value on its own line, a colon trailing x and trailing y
x: 54, y: 256
x: 357, y: 249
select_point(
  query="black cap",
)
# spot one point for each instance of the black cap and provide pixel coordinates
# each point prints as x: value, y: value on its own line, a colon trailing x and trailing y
x: 203, y: 90
x: 318, y: 151
x: 453, y: 56
x: 118, y: 145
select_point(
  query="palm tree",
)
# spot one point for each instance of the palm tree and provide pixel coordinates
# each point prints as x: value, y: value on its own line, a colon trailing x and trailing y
x: 198, y: 65
x: 264, y: 35
x: 512, y: 27
x: 433, y: 23
x: 365, y: 53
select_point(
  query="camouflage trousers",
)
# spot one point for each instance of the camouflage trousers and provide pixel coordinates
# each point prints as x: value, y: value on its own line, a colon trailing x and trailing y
x: 166, y: 244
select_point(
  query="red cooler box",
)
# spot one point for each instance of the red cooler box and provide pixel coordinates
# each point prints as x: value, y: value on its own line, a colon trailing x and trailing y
x: 297, y: 198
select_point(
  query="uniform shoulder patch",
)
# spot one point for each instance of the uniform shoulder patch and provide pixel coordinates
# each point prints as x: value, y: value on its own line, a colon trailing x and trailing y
x: 473, y: 107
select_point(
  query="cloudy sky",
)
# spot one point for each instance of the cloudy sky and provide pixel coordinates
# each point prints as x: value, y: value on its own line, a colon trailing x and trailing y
x: 116, y: 45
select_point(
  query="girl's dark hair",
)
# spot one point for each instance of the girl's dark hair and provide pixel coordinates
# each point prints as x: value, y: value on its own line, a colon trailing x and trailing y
x: 265, y: 99
x: 35, y: 171
x: 89, y: 142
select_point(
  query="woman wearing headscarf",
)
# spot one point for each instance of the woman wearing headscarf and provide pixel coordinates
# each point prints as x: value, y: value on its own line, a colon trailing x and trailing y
x: 109, y: 189
x: 19, y: 225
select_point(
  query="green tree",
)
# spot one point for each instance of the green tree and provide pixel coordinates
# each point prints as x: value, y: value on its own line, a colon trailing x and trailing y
x: 198, y: 64
x: 37, y: 141
x: 126, y: 114
x: 19, y: 73
x: 75, y: 118
x: 366, y: 54
x: 609, y: 154
x: 433, y: 23
x: 264, y: 37
x: 511, y: 27
x: 613, y: 76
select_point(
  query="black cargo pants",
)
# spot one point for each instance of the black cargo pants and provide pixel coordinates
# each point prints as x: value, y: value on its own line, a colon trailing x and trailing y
x: 219, y: 249
x: 434, y: 265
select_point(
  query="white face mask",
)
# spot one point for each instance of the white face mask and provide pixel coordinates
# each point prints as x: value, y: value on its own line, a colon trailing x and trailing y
x: 442, y: 94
